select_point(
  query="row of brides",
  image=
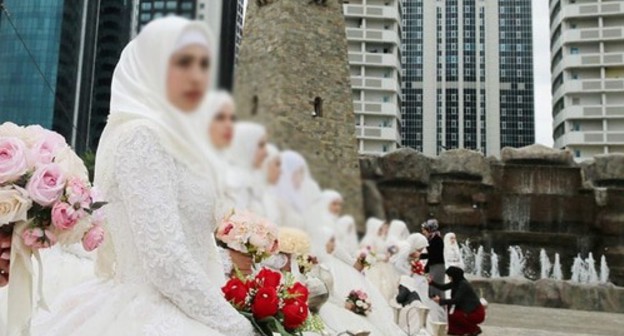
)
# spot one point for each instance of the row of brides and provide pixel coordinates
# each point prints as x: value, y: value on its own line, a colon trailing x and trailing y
x: 171, y: 162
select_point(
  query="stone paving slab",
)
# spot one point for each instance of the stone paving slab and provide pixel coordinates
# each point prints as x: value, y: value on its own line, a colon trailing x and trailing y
x: 507, y: 320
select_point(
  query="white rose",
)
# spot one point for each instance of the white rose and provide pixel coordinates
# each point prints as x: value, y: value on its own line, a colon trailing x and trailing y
x: 71, y: 164
x: 14, y: 205
x: 9, y: 129
x: 359, y: 303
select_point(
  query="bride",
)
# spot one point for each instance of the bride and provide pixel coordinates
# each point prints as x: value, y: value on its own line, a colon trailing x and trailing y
x: 161, y: 183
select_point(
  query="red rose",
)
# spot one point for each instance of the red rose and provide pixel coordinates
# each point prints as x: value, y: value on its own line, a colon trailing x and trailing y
x: 235, y: 291
x: 295, y: 314
x: 266, y: 303
x: 268, y: 278
x: 299, y: 292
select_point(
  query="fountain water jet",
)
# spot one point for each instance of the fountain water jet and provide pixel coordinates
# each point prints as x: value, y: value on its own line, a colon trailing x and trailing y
x: 604, y: 270
x: 545, y: 265
x: 516, y: 262
x: 592, y: 275
x: 557, y: 273
x: 578, y: 270
x: 494, y: 271
x: 479, y: 262
x: 468, y: 257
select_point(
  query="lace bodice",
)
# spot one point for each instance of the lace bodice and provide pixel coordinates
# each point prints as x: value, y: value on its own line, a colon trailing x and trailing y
x: 161, y: 218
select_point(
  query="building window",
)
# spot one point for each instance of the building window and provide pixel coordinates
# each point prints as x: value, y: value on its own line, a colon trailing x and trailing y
x: 146, y: 5
x: 318, y: 107
x: 577, y: 153
x: 159, y: 4
x: 172, y: 4
x: 574, y: 51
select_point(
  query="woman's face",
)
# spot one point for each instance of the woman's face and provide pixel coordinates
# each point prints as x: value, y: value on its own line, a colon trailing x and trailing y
x: 425, y: 232
x: 453, y: 240
x: 188, y: 77
x: 274, y: 170
x: 297, y: 178
x: 261, y: 153
x: 383, y: 230
x: 221, y: 129
x: 416, y: 254
x: 331, y: 245
x: 335, y: 207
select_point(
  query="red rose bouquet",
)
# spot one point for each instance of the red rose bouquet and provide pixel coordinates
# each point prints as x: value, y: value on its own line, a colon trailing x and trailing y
x: 417, y: 267
x: 273, y: 303
x: 358, y: 302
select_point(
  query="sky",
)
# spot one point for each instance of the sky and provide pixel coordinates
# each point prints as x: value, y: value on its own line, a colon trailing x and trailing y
x: 541, y: 71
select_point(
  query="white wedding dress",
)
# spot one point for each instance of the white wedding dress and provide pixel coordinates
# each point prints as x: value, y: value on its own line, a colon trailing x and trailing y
x: 167, y: 273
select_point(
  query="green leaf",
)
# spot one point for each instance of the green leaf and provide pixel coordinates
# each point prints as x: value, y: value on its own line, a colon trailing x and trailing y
x: 98, y: 205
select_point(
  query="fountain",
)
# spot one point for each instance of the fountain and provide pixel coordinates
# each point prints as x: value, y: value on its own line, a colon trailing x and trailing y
x: 604, y: 270
x: 516, y: 262
x: 578, y: 270
x: 590, y: 264
x: 468, y: 257
x: 557, y: 273
x: 494, y: 272
x: 545, y: 265
x: 479, y: 262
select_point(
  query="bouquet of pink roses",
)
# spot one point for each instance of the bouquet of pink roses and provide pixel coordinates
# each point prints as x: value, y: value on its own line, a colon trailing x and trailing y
x: 250, y: 234
x: 357, y: 301
x: 45, y: 199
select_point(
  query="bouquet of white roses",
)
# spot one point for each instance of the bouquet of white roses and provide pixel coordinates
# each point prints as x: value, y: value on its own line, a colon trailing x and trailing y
x: 250, y: 234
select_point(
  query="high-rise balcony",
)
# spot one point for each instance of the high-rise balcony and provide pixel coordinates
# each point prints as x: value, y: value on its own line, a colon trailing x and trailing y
x: 371, y: 11
x: 381, y: 133
x: 589, y: 60
x: 589, y: 10
x: 373, y: 35
x: 374, y: 59
x: 375, y: 83
x: 377, y: 109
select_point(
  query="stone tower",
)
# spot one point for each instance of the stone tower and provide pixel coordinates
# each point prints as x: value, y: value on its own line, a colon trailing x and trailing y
x: 293, y: 76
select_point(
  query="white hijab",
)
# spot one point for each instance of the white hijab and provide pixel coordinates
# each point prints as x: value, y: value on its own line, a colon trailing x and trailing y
x: 415, y: 241
x: 270, y: 209
x: 139, y: 94
x: 241, y: 175
x: 372, y: 232
x: 285, y: 190
x: 346, y: 234
x: 397, y: 232
x: 139, y: 97
x: 452, y: 254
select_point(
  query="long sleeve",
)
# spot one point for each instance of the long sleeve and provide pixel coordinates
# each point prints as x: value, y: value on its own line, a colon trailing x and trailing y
x: 146, y: 176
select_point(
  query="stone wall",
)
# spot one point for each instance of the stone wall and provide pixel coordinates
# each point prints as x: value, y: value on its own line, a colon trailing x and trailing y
x: 292, y: 52
x: 534, y: 197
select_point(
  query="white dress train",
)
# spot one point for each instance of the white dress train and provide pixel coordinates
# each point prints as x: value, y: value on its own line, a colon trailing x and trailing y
x: 160, y: 216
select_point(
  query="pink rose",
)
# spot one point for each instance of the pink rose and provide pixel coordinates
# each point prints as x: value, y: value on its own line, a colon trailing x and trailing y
x: 64, y: 216
x: 46, y: 185
x: 93, y: 238
x: 13, y: 159
x: 47, y: 146
x: 78, y: 193
x: 37, y: 238
x: 98, y: 217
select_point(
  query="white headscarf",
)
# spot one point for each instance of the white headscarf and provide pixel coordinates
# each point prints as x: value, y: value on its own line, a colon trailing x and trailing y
x: 398, y: 230
x: 346, y: 234
x: 285, y: 190
x: 452, y: 254
x: 241, y: 173
x: 266, y: 192
x: 139, y: 94
x: 372, y: 232
x: 401, y: 260
x: 139, y: 97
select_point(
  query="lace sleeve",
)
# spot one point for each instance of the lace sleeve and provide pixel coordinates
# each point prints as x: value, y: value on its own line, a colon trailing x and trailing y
x: 146, y: 177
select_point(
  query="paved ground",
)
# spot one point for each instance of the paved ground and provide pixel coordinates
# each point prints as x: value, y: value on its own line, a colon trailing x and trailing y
x: 505, y: 320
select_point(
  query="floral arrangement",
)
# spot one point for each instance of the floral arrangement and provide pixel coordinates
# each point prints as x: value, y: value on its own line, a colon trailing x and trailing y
x: 45, y: 199
x: 250, y: 234
x: 418, y: 267
x: 306, y: 263
x: 366, y: 258
x: 357, y: 301
x: 392, y: 250
x: 272, y: 302
x: 45, y: 192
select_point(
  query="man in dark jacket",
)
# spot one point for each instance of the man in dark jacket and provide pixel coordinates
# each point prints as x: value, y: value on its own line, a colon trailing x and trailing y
x: 467, y: 311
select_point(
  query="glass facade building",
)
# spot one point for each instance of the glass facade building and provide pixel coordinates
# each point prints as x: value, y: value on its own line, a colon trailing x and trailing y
x: 467, y: 75
x: 24, y: 95
x: 153, y: 9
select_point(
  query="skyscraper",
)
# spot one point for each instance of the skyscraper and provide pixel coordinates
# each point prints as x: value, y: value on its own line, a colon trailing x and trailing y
x: 373, y: 34
x: 587, y: 44
x: 59, y: 36
x: 467, y: 75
